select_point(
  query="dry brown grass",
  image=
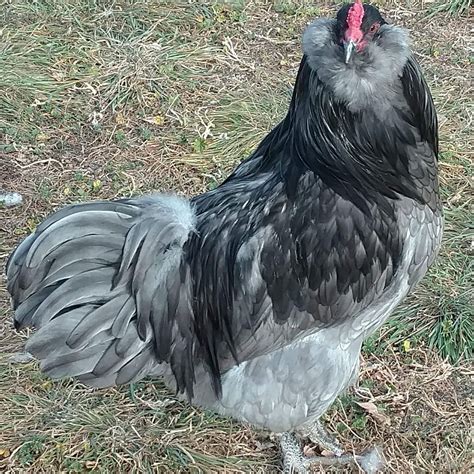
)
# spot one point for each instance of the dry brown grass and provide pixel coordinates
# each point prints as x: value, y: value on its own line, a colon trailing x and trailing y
x: 105, y: 101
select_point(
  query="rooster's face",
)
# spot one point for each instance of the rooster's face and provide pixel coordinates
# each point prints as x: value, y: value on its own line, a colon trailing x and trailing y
x: 358, y: 56
x: 357, y: 25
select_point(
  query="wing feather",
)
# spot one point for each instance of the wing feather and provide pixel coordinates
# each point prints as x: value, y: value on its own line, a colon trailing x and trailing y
x: 420, y: 101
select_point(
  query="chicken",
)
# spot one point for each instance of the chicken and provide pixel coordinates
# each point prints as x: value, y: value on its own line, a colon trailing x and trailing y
x: 254, y: 299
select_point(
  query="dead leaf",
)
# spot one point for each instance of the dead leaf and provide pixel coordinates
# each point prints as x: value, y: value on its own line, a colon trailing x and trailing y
x: 96, y: 184
x: 4, y: 452
x: 120, y: 118
x: 42, y: 137
x: 308, y: 451
x: 374, y: 412
x: 326, y: 453
x: 158, y: 120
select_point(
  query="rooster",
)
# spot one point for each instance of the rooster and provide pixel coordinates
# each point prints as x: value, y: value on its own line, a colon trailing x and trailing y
x: 253, y: 299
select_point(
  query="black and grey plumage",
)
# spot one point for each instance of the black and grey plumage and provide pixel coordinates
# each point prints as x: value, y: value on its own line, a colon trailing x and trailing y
x: 254, y: 299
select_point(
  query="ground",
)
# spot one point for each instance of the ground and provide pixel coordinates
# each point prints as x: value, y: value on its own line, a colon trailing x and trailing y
x: 103, y: 99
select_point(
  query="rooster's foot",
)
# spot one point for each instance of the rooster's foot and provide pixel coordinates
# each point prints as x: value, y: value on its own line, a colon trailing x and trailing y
x: 294, y: 460
x: 318, y: 435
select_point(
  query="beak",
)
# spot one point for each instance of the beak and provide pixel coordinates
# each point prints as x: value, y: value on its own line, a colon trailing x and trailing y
x: 349, y: 48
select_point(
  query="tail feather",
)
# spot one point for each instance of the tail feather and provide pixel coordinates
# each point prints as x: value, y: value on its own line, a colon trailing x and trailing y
x: 57, y: 275
x: 73, y: 364
x: 114, y: 357
x: 50, y: 339
x: 97, y: 280
x: 124, y: 316
x: 136, y: 368
x: 96, y: 381
x: 95, y: 321
x: 90, y: 287
x: 24, y: 308
x: 70, y: 228
x: 13, y: 268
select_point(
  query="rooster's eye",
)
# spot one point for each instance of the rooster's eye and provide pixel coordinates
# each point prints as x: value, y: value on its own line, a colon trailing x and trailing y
x: 374, y: 27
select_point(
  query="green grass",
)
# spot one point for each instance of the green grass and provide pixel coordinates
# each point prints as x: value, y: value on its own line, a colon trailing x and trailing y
x: 133, y: 429
x: 237, y: 125
x: 453, y: 7
x: 74, y: 64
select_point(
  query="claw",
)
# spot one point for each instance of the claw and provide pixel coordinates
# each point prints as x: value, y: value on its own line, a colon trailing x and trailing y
x: 295, y: 462
x: 318, y: 434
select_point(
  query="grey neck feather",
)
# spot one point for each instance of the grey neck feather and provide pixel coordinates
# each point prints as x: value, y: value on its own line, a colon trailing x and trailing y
x: 371, y: 78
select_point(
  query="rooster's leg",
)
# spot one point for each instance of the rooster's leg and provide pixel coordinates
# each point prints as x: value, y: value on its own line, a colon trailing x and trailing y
x: 293, y: 458
x: 294, y: 461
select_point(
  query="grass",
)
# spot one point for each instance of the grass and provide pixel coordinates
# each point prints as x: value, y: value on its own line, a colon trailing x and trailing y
x: 107, y: 99
x: 70, y: 429
x: 454, y: 7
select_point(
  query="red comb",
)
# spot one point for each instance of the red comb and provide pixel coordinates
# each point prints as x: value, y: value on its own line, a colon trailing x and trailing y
x: 355, y: 15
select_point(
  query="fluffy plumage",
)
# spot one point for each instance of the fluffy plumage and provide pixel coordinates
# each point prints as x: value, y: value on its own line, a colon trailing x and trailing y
x: 254, y: 299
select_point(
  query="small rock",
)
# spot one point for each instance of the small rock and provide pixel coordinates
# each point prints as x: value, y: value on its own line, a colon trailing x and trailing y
x: 20, y: 358
x: 10, y: 199
x: 372, y: 461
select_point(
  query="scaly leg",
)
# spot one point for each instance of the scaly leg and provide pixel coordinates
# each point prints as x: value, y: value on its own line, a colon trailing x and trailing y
x: 293, y: 458
x: 295, y: 462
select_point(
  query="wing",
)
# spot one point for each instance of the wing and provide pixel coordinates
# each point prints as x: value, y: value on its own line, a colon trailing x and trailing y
x: 309, y: 263
x: 420, y: 101
x: 423, y: 165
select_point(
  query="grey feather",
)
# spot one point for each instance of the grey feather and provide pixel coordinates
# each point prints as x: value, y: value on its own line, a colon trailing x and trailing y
x: 73, y: 363
x: 86, y: 280
x: 372, y: 81
x: 9, y: 199
x: 126, y: 210
x: 52, y: 336
x: 65, y: 229
x: 88, y: 287
x: 135, y: 368
x: 28, y: 306
x: 98, y: 381
x: 123, y: 318
x: 95, y: 322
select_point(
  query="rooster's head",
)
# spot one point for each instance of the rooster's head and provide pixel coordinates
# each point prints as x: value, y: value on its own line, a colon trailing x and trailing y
x: 357, y: 55
x: 357, y: 25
